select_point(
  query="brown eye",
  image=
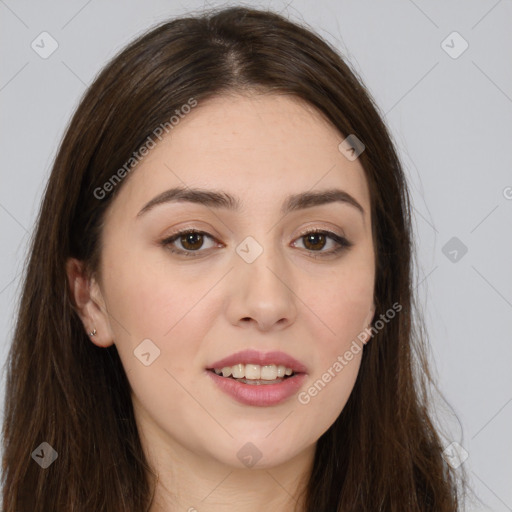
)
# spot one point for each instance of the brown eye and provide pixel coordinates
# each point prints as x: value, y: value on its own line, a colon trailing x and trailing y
x: 190, y: 240
x: 314, y: 241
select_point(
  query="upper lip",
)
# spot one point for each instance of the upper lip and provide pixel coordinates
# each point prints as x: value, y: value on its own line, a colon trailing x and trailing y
x: 261, y: 358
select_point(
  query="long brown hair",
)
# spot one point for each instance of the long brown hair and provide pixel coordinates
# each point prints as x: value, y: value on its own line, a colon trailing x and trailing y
x: 383, y: 452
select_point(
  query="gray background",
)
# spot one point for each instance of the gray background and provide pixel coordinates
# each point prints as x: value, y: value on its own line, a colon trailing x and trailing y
x: 451, y: 119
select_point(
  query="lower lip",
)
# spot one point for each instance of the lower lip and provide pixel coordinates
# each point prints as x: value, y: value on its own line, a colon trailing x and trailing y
x: 259, y: 395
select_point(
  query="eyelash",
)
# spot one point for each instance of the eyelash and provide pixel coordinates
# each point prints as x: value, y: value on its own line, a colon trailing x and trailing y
x: 343, y: 243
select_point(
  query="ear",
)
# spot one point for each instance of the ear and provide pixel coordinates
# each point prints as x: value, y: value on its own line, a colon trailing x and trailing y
x: 89, y: 304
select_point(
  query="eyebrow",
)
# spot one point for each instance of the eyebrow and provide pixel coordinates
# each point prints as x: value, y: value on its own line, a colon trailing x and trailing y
x: 219, y: 199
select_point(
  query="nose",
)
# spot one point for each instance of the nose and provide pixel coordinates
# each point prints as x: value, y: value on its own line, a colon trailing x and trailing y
x: 261, y: 292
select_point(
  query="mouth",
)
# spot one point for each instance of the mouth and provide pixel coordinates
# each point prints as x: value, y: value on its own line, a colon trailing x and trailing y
x: 256, y: 375
x: 257, y: 378
x: 258, y: 391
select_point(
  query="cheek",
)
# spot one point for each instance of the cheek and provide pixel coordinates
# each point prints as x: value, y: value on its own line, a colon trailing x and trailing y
x: 341, y: 313
x: 149, y: 297
x: 140, y: 304
x: 165, y: 308
x: 175, y: 309
x: 343, y: 310
x: 343, y: 307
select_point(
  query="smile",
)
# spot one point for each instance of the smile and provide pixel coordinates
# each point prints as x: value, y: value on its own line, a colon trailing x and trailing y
x: 258, y: 392
x: 255, y: 372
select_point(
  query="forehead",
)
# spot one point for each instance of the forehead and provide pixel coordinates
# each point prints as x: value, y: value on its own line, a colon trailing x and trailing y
x: 257, y: 147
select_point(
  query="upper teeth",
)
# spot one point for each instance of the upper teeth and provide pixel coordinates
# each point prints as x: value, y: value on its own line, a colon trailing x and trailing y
x: 254, y: 371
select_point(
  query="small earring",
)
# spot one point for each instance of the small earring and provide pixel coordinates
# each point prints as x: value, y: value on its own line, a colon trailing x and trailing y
x: 93, y: 333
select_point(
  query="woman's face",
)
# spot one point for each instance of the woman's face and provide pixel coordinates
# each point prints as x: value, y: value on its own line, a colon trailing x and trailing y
x: 251, y: 280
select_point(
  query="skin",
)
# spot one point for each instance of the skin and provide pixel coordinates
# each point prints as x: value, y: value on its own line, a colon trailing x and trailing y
x: 197, y: 310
